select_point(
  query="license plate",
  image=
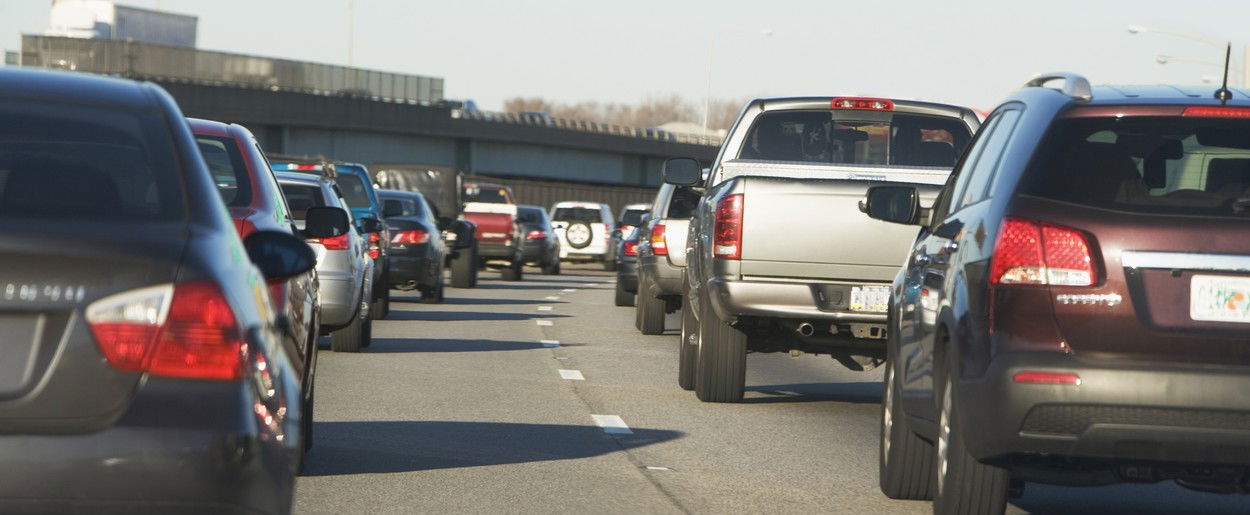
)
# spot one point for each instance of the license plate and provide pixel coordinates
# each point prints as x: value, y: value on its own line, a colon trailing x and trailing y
x: 870, y: 298
x: 1216, y: 298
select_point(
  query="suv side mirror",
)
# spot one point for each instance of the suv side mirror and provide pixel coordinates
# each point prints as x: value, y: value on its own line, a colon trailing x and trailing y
x: 682, y: 171
x: 279, y: 255
x: 465, y: 232
x: 368, y: 225
x: 326, y: 222
x: 897, y: 204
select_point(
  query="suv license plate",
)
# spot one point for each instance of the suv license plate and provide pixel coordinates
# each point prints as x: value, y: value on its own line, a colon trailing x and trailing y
x: 870, y: 298
x: 1216, y: 298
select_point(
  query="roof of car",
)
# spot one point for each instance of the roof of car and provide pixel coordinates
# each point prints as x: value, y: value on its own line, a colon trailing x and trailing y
x: 399, y: 193
x: 785, y: 103
x: 638, y: 206
x: 65, y: 86
x: 529, y: 207
x: 300, y: 177
x: 209, y: 127
x: 578, y: 203
x: 1165, y: 94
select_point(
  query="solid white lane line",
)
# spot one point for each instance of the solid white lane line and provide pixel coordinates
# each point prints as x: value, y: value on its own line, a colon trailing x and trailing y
x: 544, y: 308
x: 659, y: 468
x: 572, y: 375
x: 612, y: 424
x: 545, y: 323
x: 550, y: 343
x: 568, y: 290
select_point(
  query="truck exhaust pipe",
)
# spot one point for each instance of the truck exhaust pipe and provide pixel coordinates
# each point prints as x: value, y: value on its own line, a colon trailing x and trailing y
x: 806, y: 329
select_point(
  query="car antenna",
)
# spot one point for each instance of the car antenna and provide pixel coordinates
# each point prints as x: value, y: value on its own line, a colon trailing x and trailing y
x: 1224, y: 94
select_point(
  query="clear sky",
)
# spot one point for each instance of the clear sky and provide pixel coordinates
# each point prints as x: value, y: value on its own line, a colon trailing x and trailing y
x: 968, y: 52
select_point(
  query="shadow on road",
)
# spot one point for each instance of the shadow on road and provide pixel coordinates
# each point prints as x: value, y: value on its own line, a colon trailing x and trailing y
x: 457, y: 316
x: 1156, y: 499
x: 867, y: 392
x: 399, y: 345
x: 383, y: 447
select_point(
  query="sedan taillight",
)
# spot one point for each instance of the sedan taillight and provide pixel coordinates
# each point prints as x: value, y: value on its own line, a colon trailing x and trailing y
x: 536, y: 235
x: 413, y: 237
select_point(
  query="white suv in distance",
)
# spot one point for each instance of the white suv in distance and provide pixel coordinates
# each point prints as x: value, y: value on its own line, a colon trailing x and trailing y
x: 583, y: 229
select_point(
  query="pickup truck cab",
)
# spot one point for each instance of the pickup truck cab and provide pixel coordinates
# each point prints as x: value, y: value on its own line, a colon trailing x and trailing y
x: 779, y: 257
x: 493, y: 209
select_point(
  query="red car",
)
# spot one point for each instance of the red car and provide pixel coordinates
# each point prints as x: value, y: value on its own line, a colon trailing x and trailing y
x: 493, y: 208
x: 256, y: 203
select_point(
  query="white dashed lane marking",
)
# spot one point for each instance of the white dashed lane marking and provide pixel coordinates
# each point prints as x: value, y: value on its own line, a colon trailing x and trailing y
x: 572, y: 375
x: 568, y: 290
x: 545, y: 323
x: 544, y: 308
x: 554, y: 297
x: 612, y: 424
x: 550, y: 343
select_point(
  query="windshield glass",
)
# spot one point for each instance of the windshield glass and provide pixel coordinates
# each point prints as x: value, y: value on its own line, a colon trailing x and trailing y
x: 300, y: 198
x: 225, y: 163
x: 85, y: 162
x: 831, y: 137
x: 493, y: 195
x: 355, y: 191
x: 633, y: 216
x: 1185, y: 166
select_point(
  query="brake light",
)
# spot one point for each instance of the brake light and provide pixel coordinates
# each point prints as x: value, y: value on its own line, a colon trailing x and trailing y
x: 375, y: 250
x: 631, y: 248
x: 185, y: 331
x: 1217, y: 112
x: 299, y: 168
x: 1032, y: 253
x: 413, y: 237
x: 1047, y: 378
x: 536, y: 235
x: 335, y: 243
x: 727, y: 231
x: 659, y: 242
x: 863, y: 104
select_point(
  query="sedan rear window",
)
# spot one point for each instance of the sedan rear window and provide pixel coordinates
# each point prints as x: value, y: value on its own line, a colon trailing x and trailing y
x: 831, y: 137
x: 1161, y: 165
x: 225, y: 163
x: 82, y: 162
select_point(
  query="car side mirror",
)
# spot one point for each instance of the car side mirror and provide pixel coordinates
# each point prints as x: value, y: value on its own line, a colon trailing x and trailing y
x: 682, y: 171
x: 279, y: 255
x: 368, y: 225
x: 896, y: 204
x: 326, y: 222
x: 465, y: 233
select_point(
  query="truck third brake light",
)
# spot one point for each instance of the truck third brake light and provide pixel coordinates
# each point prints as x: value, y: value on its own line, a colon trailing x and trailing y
x: 863, y: 104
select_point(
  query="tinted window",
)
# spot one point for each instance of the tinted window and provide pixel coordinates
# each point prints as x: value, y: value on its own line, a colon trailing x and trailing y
x: 530, y: 216
x: 300, y: 197
x: 1185, y: 166
x: 578, y: 214
x: 980, y: 171
x: 633, y: 216
x: 838, y: 138
x: 225, y: 163
x: 394, y: 204
x: 684, y: 202
x: 473, y: 193
x: 85, y: 162
x: 354, y: 191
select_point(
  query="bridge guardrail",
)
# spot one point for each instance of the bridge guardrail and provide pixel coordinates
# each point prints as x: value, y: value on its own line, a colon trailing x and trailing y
x: 544, y: 120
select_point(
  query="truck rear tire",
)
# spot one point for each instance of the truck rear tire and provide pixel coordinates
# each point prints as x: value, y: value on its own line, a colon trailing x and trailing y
x: 464, y: 269
x: 687, y: 350
x: 721, y: 372
x: 650, y: 309
x: 623, y: 298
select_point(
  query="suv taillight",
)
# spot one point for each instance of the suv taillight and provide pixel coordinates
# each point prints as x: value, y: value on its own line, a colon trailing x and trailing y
x: 727, y: 231
x: 1029, y: 252
x: 185, y: 331
x: 659, y: 241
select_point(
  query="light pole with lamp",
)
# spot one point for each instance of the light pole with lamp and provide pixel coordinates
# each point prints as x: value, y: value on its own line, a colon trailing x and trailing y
x: 1165, y: 59
x: 711, y: 48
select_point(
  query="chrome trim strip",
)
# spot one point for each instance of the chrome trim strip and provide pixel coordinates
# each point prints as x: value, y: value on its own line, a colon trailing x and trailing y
x: 1185, y: 261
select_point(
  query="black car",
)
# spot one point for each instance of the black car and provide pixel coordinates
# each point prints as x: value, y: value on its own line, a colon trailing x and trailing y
x: 627, y: 269
x: 417, y: 250
x: 1075, y: 308
x: 141, y: 364
x: 540, y: 247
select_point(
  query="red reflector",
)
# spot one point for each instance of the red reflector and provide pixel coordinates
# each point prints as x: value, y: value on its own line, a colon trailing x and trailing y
x: 1217, y: 112
x: 631, y: 248
x: 659, y: 241
x: 863, y: 104
x: 1047, y: 378
x: 727, y: 231
x: 201, y: 339
x: 303, y: 168
x: 125, y: 345
x: 1031, y: 253
x: 536, y: 235
x: 413, y: 237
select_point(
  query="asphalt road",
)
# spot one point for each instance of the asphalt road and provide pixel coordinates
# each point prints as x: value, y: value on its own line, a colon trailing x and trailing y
x: 472, y: 406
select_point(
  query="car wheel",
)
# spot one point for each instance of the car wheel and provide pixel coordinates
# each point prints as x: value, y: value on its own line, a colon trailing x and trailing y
x: 688, y: 345
x: 579, y: 235
x: 514, y: 271
x: 905, y: 460
x: 307, y: 424
x: 721, y: 367
x: 963, y: 484
x: 623, y: 297
x: 347, y: 339
x: 650, y: 310
x: 464, y: 269
x: 551, y: 267
x: 433, y: 294
x: 381, y: 306
x: 366, y: 332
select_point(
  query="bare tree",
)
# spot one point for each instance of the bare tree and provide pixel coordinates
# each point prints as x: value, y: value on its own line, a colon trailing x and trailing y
x: 652, y: 111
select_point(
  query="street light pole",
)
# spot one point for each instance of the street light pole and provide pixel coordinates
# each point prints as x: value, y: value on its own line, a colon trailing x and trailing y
x: 711, y: 49
x: 1245, y: 63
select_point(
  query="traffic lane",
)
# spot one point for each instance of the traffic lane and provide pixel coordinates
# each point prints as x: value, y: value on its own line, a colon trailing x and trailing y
x: 803, y: 441
x: 807, y: 430
x: 458, y: 407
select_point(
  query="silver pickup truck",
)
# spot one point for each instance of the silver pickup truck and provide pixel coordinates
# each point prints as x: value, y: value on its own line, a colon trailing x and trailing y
x: 779, y: 256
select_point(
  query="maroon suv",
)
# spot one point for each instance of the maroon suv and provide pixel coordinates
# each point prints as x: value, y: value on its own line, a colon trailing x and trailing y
x: 256, y: 203
x: 1076, y: 307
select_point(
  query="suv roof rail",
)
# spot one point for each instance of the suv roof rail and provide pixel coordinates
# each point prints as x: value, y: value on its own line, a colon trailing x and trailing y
x: 1074, y: 85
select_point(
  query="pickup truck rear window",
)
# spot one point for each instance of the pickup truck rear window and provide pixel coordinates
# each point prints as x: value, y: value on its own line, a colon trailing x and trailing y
x: 488, y: 195
x: 1158, y: 165
x: 830, y: 137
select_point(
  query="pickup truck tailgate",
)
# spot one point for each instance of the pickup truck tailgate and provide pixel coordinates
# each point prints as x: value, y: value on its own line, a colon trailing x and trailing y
x: 813, y: 228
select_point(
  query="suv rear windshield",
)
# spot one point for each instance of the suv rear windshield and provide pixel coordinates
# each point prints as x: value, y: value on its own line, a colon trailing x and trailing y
x: 836, y: 137
x: 633, y: 216
x: 225, y: 163
x: 473, y: 193
x: 578, y: 214
x: 301, y: 197
x: 354, y: 191
x: 87, y: 163
x: 1161, y: 165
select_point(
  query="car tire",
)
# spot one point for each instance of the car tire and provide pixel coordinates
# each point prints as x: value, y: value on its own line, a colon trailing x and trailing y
x: 904, y: 459
x: 366, y: 332
x: 464, y: 269
x: 307, y: 423
x: 348, y: 339
x: 433, y: 295
x: 720, y: 372
x: 381, y: 306
x: 963, y: 485
x: 514, y: 271
x: 552, y: 267
x: 688, y: 345
x: 623, y: 297
x: 650, y: 310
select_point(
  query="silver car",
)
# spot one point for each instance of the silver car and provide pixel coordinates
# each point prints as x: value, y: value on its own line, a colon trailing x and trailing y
x: 344, y: 269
